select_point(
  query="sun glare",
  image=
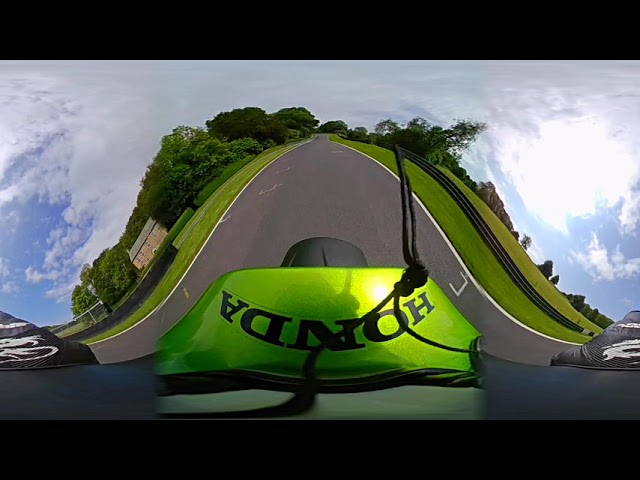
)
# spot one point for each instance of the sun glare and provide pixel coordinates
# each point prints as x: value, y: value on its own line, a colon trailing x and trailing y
x: 570, y: 170
x: 379, y: 292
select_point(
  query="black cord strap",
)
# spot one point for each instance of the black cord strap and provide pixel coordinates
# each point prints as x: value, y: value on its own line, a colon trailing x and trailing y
x: 414, y: 276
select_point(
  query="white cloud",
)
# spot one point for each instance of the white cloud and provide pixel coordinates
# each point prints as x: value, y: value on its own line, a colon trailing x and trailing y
x: 570, y: 170
x: 535, y: 253
x: 32, y: 275
x: 629, y: 216
x: 4, y: 268
x: 61, y: 292
x: 11, y: 221
x: 80, y: 134
x: 564, y: 134
x: 601, y: 265
x: 627, y: 302
x: 9, y: 287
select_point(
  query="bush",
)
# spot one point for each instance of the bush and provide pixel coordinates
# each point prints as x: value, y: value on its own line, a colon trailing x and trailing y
x: 179, y: 225
x: 268, y: 144
x: 224, y: 175
x: 246, y: 146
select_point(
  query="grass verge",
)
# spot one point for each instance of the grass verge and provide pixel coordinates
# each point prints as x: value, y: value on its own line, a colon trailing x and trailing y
x: 522, y: 259
x: 478, y: 257
x: 195, y: 234
x: 78, y: 327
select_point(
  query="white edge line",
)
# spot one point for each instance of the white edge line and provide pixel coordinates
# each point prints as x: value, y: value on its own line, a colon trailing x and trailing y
x: 203, y: 245
x: 482, y: 291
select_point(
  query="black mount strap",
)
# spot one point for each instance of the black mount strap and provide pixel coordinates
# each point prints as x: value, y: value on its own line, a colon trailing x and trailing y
x: 414, y: 276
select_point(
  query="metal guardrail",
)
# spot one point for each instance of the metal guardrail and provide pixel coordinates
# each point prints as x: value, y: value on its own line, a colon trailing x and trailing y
x: 489, y: 238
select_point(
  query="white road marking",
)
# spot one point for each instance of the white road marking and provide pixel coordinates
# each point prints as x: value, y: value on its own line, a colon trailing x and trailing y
x: 202, y: 247
x: 482, y: 291
x: 271, y: 189
x: 458, y: 292
x: 225, y: 219
x: 284, y: 170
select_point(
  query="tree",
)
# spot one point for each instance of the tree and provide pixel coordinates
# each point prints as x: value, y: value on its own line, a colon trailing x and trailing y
x: 384, y: 127
x: 249, y: 122
x: 555, y: 279
x: 85, y: 277
x: 440, y: 146
x: 461, y: 135
x: 587, y: 311
x: 82, y: 300
x: 333, y: 126
x: 188, y: 159
x: 134, y: 226
x: 546, y: 268
x: 602, y: 321
x: 298, y: 119
x: 593, y: 315
x: 359, y: 134
x: 526, y: 241
x: 113, y: 274
x: 577, y: 301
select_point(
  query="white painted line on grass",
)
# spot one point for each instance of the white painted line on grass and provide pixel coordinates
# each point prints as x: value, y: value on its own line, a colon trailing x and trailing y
x: 203, y: 245
x: 482, y: 291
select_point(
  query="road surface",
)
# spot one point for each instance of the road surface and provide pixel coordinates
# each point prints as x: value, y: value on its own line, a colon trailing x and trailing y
x: 325, y: 189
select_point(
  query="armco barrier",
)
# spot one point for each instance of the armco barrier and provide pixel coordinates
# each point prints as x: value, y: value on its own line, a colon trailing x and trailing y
x: 489, y: 238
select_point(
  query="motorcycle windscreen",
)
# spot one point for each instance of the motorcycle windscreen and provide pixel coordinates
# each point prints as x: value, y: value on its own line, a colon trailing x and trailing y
x: 267, y: 320
x: 616, y: 348
x: 25, y: 345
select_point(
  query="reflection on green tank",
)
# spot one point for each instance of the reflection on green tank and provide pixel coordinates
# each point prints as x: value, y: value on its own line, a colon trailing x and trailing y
x: 265, y: 321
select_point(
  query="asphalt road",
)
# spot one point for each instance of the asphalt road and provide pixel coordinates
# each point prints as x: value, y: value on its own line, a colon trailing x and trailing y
x: 325, y: 189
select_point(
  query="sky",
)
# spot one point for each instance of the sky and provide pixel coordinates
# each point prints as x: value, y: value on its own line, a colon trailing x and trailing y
x: 561, y: 147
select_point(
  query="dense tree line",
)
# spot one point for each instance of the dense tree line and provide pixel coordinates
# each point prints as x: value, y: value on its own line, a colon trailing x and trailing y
x: 439, y: 145
x: 526, y: 241
x: 444, y: 147
x: 577, y: 301
x: 189, y: 158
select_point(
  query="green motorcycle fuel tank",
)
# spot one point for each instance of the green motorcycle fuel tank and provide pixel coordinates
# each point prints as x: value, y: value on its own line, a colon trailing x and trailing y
x: 262, y: 323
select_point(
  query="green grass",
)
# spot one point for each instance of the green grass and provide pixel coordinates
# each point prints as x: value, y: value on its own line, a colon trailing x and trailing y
x: 478, y: 257
x: 78, y: 327
x: 522, y: 259
x: 195, y: 234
